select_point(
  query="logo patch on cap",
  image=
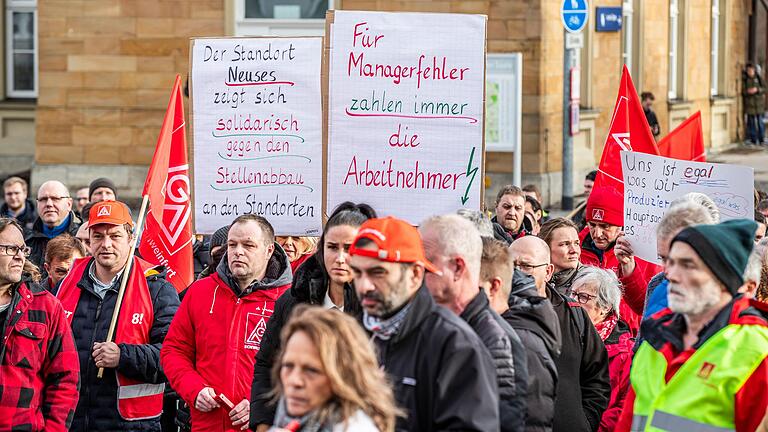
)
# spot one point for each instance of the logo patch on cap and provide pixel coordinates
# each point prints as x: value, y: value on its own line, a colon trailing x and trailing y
x: 105, y: 210
x: 598, y: 214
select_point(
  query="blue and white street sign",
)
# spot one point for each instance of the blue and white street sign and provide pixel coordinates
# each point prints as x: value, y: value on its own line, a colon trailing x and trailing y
x: 608, y: 19
x: 574, y: 14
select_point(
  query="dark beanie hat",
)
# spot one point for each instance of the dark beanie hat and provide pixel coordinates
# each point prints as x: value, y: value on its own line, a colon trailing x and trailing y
x: 99, y: 183
x: 605, y: 204
x: 724, y: 248
x: 219, y: 237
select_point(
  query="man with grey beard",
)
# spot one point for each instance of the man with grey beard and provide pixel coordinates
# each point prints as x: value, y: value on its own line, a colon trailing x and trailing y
x: 703, y: 364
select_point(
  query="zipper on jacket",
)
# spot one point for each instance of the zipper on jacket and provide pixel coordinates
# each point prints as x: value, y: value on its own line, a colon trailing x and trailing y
x: 88, y: 364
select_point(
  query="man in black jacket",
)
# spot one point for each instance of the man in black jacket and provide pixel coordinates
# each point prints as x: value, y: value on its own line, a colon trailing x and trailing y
x: 129, y: 395
x: 583, y: 387
x: 17, y: 205
x: 443, y: 376
x: 54, y: 207
x: 534, y: 321
x: 454, y: 246
x: 509, y: 223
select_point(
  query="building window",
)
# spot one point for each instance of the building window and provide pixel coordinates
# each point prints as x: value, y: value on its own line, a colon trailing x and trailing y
x: 281, y: 17
x: 585, y: 64
x: 718, y: 53
x: 676, y: 50
x: 21, y: 48
x: 626, y: 33
x: 631, y: 39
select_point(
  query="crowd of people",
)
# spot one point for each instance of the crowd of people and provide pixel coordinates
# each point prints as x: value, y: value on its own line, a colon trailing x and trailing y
x: 507, y: 320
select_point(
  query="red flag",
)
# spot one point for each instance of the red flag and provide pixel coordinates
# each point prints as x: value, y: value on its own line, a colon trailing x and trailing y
x: 167, y: 236
x: 686, y: 142
x: 629, y: 130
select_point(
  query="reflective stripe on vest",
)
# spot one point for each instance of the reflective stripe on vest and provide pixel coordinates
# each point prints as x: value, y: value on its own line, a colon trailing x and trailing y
x: 700, y: 396
x: 139, y: 390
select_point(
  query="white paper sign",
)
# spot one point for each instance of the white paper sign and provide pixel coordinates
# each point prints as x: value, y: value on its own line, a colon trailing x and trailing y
x: 257, y: 117
x: 406, y: 112
x: 651, y: 183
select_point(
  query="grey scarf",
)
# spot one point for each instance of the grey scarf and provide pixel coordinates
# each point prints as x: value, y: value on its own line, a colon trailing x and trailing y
x: 307, y: 423
x: 384, y: 329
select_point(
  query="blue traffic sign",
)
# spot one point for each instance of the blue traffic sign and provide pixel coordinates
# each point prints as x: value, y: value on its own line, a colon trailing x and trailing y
x: 608, y: 19
x: 574, y: 14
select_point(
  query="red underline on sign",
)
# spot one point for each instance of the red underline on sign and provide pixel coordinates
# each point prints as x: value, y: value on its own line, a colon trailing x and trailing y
x: 290, y: 83
x: 471, y: 119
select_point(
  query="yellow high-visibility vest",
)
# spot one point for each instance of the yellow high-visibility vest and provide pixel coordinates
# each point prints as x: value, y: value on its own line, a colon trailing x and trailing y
x: 700, y: 396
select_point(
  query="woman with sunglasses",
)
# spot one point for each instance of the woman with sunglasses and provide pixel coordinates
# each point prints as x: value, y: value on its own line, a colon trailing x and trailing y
x: 599, y: 293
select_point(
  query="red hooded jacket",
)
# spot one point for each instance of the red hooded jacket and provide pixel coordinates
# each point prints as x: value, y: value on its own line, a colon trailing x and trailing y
x: 634, y: 285
x: 751, y: 400
x: 619, y: 346
x: 215, y: 335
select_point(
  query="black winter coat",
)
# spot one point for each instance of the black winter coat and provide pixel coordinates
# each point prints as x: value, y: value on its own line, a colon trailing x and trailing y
x: 37, y: 241
x: 97, y: 407
x: 535, y: 321
x: 584, y: 386
x: 27, y: 218
x: 442, y: 375
x: 310, y: 283
x: 508, y: 355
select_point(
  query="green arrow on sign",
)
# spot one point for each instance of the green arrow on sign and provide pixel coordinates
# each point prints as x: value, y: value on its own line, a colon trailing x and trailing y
x: 470, y: 171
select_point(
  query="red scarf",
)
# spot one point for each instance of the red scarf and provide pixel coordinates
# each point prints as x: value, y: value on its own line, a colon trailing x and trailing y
x: 605, y: 328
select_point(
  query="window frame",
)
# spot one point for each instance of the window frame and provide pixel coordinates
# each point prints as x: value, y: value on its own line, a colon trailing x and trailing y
x: 678, y: 16
x: 11, y: 7
x: 276, y: 26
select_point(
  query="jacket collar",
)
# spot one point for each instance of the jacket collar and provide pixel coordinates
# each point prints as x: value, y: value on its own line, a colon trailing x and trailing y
x: 475, y: 307
x: 278, y: 274
x: 421, y: 304
x: 37, y: 227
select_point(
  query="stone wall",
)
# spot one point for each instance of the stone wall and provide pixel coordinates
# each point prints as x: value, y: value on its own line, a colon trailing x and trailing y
x: 106, y: 71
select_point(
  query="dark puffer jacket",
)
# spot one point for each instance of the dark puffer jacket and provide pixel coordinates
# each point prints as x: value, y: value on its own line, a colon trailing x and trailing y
x: 310, y: 283
x: 27, y: 218
x: 442, y: 375
x: 534, y: 320
x: 508, y: 356
x: 37, y: 241
x: 97, y: 407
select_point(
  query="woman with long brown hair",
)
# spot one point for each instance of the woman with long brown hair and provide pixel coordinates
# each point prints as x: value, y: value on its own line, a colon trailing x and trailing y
x: 327, y: 377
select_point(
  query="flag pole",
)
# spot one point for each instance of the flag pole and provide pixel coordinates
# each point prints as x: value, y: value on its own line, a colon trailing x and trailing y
x: 126, y: 275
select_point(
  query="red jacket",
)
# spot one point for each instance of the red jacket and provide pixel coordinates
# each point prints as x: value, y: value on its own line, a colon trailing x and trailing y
x: 634, y: 285
x: 39, y: 359
x: 751, y: 400
x: 214, y: 338
x: 619, y: 346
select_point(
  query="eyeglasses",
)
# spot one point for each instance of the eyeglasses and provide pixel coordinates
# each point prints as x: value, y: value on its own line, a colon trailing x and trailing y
x: 583, y: 298
x: 13, y: 250
x: 55, y: 199
x: 528, y: 267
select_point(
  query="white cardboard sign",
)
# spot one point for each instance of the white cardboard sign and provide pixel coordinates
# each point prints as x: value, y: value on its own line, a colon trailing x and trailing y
x: 406, y: 101
x: 652, y: 182
x: 257, y: 117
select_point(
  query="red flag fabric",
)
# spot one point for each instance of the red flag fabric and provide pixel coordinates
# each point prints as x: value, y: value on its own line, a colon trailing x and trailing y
x: 629, y: 130
x: 686, y: 142
x: 167, y: 236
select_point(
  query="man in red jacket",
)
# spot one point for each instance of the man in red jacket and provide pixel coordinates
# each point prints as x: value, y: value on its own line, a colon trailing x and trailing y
x: 211, y: 347
x: 704, y: 362
x: 39, y: 371
x: 603, y: 245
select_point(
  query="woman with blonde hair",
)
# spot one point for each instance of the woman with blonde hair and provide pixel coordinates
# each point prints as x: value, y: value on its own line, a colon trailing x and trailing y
x: 298, y: 249
x: 327, y: 377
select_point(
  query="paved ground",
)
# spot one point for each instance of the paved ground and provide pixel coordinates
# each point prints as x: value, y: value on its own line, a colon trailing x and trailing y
x: 756, y: 157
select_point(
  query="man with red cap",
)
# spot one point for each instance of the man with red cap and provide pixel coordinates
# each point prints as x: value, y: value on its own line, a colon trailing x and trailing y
x: 603, y: 245
x: 443, y: 376
x: 129, y: 395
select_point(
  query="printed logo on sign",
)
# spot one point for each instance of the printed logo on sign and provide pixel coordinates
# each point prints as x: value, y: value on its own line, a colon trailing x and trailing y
x: 622, y: 139
x: 105, y: 211
x: 255, y: 325
x: 597, y: 214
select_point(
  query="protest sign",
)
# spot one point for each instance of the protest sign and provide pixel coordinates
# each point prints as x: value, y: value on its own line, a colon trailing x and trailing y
x: 651, y: 183
x: 257, y: 121
x: 406, y: 108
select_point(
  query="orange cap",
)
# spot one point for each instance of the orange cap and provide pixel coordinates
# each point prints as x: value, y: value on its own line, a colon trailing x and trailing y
x: 109, y: 212
x: 396, y: 239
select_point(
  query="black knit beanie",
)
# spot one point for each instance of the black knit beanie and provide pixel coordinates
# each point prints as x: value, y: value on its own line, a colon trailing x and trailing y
x: 724, y: 248
x: 219, y: 237
x: 99, y: 183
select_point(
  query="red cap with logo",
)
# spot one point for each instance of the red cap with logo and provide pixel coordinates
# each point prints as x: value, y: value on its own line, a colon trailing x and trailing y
x: 396, y: 240
x: 606, y: 205
x: 109, y: 212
